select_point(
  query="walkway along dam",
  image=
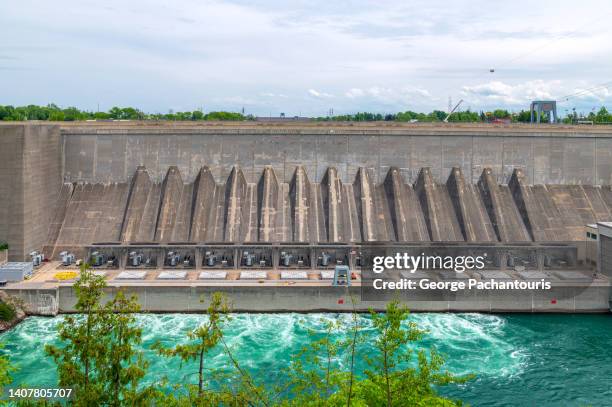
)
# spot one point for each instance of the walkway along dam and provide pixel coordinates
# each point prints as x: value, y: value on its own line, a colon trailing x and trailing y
x: 284, y: 198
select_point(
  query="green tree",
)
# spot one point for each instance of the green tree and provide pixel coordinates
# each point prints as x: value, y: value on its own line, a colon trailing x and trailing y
x: 5, y: 370
x: 98, y: 357
x: 223, y: 116
x: 501, y: 114
x: 203, y: 339
x: 314, y: 375
x: 123, y: 367
x: 524, y: 116
x: 603, y: 116
x: 84, y: 341
x: 57, y: 116
x: 390, y: 378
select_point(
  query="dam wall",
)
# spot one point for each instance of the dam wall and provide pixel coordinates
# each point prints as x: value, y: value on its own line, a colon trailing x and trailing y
x: 245, y: 297
x: 66, y: 187
x: 111, y: 152
x: 30, y: 183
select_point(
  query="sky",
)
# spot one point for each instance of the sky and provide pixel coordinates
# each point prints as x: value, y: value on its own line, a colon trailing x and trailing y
x: 305, y: 57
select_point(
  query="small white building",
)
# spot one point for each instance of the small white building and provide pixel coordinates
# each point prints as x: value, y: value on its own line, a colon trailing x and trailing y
x: 604, y: 263
x: 590, y: 246
x: 16, y: 271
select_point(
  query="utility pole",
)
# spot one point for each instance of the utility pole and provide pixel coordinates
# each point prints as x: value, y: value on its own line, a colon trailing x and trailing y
x: 453, y: 109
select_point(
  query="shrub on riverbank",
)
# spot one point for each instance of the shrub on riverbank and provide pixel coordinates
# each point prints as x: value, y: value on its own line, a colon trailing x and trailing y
x: 7, y: 312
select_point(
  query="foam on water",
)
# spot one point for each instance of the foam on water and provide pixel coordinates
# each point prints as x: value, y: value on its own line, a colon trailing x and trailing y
x: 481, y: 340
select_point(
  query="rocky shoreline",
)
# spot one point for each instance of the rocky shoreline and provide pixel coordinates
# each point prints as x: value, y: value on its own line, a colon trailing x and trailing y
x: 20, y: 314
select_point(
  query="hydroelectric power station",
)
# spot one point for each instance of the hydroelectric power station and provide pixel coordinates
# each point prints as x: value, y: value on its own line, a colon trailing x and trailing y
x: 266, y: 211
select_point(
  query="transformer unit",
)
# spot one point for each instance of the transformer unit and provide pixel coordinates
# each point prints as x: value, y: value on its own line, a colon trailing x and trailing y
x: 222, y: 258
x: 67, y: 258
x: 173, y: 259
x: 249, y: 259
x: 135, y: 259
x: 187, y: 261
x: 324, y: 259
x: 211, y: 259
x: 286, y: 259
x: 37, y: 258
x: 97, y: 259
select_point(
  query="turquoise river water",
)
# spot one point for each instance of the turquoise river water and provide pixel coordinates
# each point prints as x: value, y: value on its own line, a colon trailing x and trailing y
x: 520, y: 360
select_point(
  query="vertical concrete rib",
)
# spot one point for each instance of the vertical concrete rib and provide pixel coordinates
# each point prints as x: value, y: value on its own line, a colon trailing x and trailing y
x: 299, y: 192
x: 471, y: 214
x: 182, y: 224
x: 59, y: 215
x: 283, y: 229
x: 539, y: 212
x: 350, y: 217
x: 250, y: 215
x: 114, y: 198
x: 407, y: 218
x: 504, y: 214
x: 319, y: 231
x: 364, y: 190
x: 268, y: 193
x: 148, y: 224
x: 171, y: 194
x: 437, y: 208
x: 235, y: 194
x: 132, y: 228
x: 204, y: 191
x: 331, y: 190
x: 216, y: 221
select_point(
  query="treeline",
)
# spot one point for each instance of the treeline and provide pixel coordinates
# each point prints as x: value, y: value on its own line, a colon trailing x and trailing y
x: 101, y: 358
x: 53, y: 112
x: 524, y: 116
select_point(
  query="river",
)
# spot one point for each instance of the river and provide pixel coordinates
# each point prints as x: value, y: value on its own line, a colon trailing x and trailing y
x: 543, y: 360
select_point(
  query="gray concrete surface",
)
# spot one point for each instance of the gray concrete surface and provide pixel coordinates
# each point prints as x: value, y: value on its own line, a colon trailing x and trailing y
x: 30, y: 183
x: 306, y: 182
x: 271, y: 211
x: 111, y: 152
x: 169, y: 296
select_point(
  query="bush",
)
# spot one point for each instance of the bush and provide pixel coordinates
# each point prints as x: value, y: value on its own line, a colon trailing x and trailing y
x: 7, y: 312
x: 3, y: 246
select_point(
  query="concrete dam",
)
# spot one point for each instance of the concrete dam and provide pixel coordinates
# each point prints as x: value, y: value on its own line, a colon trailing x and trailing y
x: 266, y: 211
x: 126, y: 182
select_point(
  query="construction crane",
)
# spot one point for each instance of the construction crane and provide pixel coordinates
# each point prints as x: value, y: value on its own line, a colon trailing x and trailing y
x: 451, y: 112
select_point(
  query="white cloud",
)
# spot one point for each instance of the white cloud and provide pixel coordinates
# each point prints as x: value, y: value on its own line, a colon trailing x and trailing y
x: 273, y: 95
x: 399, y: 96
x: 317, y: 94
x: 354, y: 93
x: 384, y: 56
x: 509, y: 95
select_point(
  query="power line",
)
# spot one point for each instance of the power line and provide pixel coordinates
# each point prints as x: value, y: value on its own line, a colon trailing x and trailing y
x: 585, y: 91
x: 537, y: 48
